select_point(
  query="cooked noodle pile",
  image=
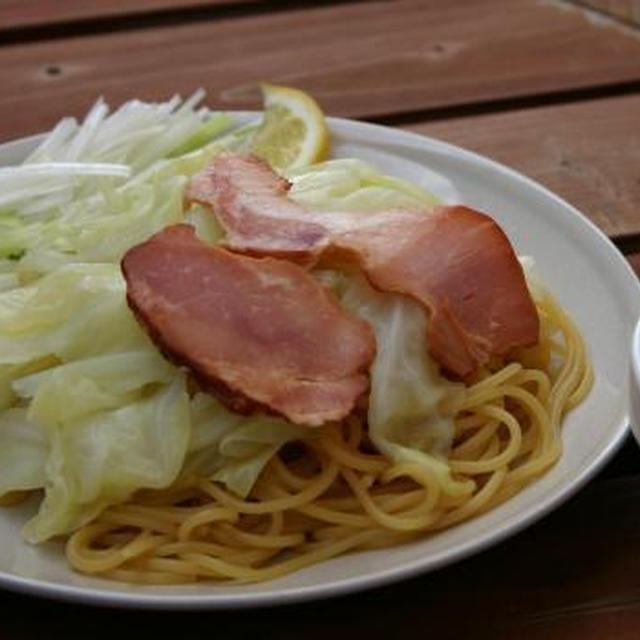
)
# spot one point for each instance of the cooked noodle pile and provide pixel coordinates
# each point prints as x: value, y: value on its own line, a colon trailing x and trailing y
x: 335, y: 493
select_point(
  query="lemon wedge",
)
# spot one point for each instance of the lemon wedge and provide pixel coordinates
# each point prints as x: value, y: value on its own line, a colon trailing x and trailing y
x: 293, y: 132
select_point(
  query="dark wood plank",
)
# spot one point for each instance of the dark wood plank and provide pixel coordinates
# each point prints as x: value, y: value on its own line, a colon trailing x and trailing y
x: 363, y: 60
x: 634, y: 260
x: 627, y: 10
x: 19, y: 14
x: 588, y: 153
x: 573, y: 575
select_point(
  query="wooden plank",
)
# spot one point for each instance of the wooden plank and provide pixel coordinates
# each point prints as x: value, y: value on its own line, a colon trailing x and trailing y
x: 573, y: 575
x: 634, y: 260
x: 362, y: 60
x: 627, y: 10
x: 20, y: 14
x: 588, y: 153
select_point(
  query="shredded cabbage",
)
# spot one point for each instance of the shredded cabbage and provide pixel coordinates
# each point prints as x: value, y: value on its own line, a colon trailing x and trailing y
x: 91, y: 191
x: 63, y: 168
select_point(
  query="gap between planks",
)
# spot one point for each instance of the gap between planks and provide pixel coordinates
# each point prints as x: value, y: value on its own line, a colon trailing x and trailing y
x: 624, y: 11
x: 33, y: 21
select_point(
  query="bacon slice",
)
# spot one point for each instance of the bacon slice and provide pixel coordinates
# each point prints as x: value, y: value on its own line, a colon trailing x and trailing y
x: 260, y: 333
x: 457, y: 262
x: 251, y: 204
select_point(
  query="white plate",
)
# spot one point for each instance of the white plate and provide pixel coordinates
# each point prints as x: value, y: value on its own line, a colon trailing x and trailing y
x: 588, y: 275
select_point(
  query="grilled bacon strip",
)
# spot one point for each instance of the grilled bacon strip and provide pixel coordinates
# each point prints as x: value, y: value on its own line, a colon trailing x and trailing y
x: 251, y: 204
x: 259, y: 333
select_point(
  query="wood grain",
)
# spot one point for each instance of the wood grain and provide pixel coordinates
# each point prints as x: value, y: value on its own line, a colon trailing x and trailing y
x: 634, y: 261
x: 19, y: 14
x: 588, y: 153
x: 627, y: 10
x: 362, y: 60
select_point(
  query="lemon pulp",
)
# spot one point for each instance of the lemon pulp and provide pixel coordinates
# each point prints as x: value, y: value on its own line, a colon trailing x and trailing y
x: 293, y: 132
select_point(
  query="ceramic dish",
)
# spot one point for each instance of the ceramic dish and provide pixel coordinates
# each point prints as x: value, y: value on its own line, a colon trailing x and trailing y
x: 589, y: 277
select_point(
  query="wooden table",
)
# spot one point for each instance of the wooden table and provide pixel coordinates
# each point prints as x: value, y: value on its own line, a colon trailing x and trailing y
x: 550, y: 88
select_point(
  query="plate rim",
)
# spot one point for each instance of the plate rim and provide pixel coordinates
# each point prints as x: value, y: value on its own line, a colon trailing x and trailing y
x: 377, y: 578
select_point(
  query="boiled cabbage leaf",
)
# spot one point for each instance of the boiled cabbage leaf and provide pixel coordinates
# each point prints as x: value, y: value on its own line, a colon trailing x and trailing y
x: 231, y: 448
x: 76, y: 312
x: 102, y: 459
x: 353, y: 185
x: 410, y: 413
x: 69, y: 391
x: 24, y: 448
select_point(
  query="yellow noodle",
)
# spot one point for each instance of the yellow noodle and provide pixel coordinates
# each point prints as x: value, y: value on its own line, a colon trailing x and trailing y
x: 267, y: 541
x: 351, y: 459
x: 333, y: 516
x: 82, y: 556
x: 149, y: 577
x: 472, y: 447
x: 318, y: 486
x: 475, y: 504
x: 508, y: 453
x: 389, y: 521
x: 152, y: 522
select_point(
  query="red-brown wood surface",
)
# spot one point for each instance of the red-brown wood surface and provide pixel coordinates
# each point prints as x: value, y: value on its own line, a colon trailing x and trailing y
x: 634, y: 260
x: 16, y: 14
x: 363, y: 60
x: 588, y: 152
x: 627, y: 10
